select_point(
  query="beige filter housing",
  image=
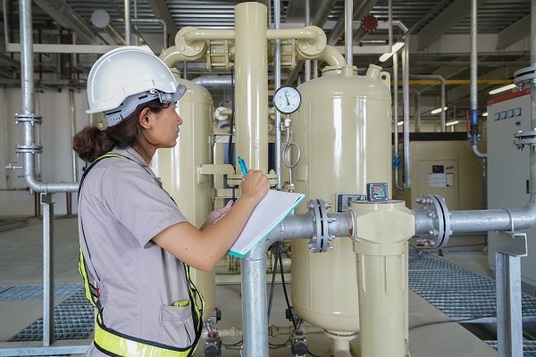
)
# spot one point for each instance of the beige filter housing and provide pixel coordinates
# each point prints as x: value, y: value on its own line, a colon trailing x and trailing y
x: 343, y: 130
x: 179, y: 169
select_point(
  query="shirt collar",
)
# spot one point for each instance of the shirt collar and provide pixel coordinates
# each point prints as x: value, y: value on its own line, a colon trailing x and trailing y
x: 131, y: 154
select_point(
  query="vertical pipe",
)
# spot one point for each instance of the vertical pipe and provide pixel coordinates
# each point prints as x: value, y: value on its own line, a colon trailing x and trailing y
x: 395, y: 119
x: 277, y: 78
x: 443, y: 105
x: 405, y: 100
x: 251, y: 92
x: 474, y: 136
x: 307, y: 64
x: 48, y: 269
x: 509, y: 321
x: 127, y: 22
x: 26, y: 53
x: 348, y: 17
x: 417, y: 113
x: 254, y: 302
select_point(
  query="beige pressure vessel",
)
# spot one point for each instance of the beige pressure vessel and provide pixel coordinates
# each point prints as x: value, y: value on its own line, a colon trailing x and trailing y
x: 343, y: 130
x: 179, y: 170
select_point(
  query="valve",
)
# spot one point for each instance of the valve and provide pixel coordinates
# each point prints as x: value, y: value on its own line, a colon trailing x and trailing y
x: 298, y: 344
x: 213, y: 345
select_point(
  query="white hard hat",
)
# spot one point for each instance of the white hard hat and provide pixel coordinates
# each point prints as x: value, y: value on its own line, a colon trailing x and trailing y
x: 126, y: 77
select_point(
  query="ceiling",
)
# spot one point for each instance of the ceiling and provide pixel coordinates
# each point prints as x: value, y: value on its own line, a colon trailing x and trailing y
x: 438, y: 33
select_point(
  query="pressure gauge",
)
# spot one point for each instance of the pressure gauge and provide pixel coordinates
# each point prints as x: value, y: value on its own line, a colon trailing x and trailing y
x: 287, y: 99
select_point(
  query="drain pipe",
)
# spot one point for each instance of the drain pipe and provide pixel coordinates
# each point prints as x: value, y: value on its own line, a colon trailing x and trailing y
x: 474, y: 136
x: 254, y: 300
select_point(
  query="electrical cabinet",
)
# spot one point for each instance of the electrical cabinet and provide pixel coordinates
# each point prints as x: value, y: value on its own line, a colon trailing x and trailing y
x: 508, y: 170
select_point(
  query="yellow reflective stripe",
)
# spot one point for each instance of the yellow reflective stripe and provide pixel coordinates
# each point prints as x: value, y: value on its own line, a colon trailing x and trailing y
x: 83, y: 272
x: 125, y: 347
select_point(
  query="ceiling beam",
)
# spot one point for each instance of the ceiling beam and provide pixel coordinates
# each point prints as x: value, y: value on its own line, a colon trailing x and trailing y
x: 450, y: 16
x: 514, y: 33
x: 64, y: 15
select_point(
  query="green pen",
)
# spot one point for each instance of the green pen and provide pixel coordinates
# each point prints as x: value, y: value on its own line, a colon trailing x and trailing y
x: 181, y: 303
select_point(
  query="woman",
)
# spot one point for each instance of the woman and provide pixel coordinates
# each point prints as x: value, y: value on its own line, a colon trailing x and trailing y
x: 135, y: 243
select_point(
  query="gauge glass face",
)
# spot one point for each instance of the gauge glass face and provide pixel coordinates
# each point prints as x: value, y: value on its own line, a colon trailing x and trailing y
x: 287, y: 99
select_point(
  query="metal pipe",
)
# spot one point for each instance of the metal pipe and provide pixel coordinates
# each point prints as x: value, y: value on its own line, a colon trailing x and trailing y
x: 223, y: 82
x: 277, y: 84
x: 348, y: 17
x: 307, y: 64
x: 405, y: 101
x: 159, y: 21
x: 442, y: 82
x: 254, y: 274
x: 72, y: 112
x: 474, y: 76
x: 395, y: 124
x: 27, y: 88
x: 127, y: 22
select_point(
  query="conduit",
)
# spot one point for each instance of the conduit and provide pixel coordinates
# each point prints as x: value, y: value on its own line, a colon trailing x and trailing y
x: 474, y: 75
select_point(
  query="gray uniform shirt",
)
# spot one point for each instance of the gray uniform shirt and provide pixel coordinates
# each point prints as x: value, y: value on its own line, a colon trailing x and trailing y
x: 122, y: 206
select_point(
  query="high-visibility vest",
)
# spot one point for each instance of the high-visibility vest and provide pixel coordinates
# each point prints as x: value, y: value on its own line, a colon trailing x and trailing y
x: 115, y: 343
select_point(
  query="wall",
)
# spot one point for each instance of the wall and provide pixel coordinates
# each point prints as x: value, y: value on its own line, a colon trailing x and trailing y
x: 56, y: 159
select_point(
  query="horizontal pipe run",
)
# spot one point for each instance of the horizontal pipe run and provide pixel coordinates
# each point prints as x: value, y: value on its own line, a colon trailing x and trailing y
x: 204, y: 34
x: 289, y: 34
x: 302, y: 226
x: 479, y: 220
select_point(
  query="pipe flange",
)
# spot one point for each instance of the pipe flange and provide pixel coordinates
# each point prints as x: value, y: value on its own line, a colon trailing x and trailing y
x: 524, y: 76
x: 191, y: 49
x: 29, y: 149
x: 310, y: 47
x: 438, y: 211
x: 523, y: 138
x: 319, y: 242
x: 28, y: 118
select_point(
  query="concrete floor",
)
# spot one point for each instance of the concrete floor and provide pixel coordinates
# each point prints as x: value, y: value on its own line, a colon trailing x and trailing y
x: 21, y: 265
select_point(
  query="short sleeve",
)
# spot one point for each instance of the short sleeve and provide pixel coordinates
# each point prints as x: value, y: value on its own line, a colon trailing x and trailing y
x: 137, y: 201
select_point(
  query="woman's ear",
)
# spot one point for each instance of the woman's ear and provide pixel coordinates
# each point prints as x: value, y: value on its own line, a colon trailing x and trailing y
x: 144, y: 118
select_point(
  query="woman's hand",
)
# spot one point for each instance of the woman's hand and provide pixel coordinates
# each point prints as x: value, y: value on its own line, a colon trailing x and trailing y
x: 254, y: 186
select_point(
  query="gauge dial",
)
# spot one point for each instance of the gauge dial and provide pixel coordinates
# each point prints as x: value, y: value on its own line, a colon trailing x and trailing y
x: 287, y: 99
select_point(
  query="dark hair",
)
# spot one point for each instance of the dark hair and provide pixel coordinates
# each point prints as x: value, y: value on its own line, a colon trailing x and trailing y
x: 91, y: 142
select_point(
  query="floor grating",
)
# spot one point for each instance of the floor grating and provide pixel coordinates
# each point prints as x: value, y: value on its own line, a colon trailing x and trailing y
x: 35, y: 292
x: 460, y: 293
x: 73, y: 319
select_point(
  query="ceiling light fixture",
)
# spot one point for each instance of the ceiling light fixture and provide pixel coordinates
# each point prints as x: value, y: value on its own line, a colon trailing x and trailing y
x: 396, y: 47
x: 437, y: 110
x: 502, y: 89
x: 454, y: 122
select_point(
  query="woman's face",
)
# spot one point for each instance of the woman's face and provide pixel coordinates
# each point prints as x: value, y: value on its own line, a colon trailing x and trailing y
x: 165, y: 127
